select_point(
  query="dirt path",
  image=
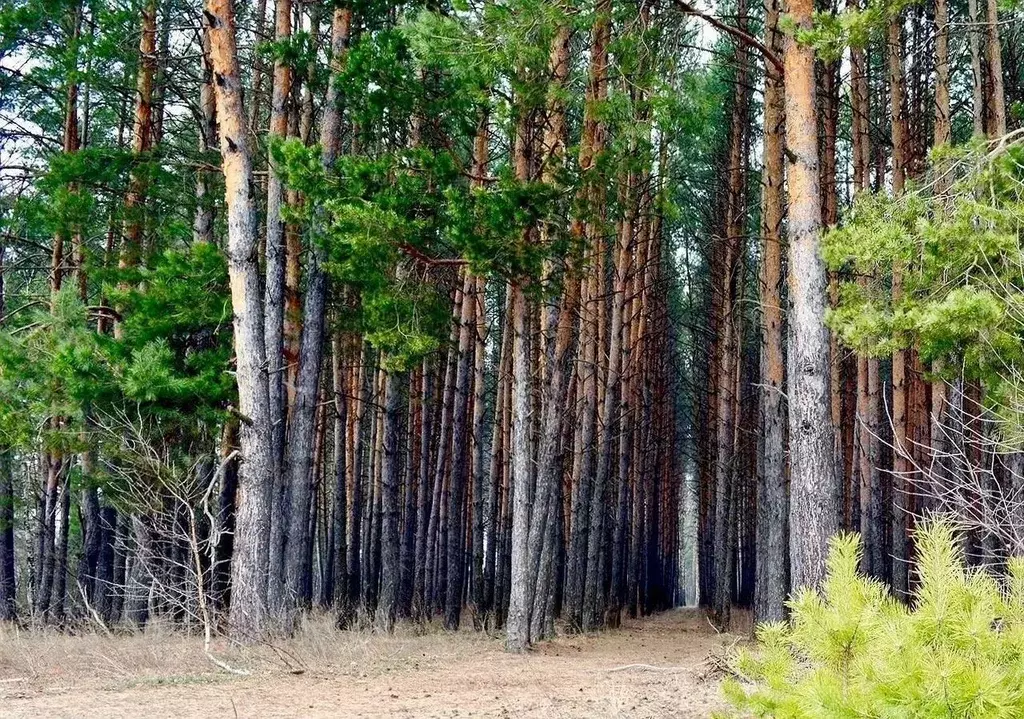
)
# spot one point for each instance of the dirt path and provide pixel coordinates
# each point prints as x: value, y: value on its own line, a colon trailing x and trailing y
x: 362, y: 675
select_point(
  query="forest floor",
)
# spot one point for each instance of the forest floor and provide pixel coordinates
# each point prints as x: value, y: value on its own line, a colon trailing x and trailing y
x: 662, y: 666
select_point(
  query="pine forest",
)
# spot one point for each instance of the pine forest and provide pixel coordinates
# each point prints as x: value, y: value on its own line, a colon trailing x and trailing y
x: 524, y: 322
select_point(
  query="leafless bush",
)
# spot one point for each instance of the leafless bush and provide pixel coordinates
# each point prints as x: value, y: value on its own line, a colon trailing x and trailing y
x: 176, y: 528
x: 972, y: 472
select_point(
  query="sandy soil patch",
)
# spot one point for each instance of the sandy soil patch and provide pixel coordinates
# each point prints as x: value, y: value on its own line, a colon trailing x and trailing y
x: 655, y: 667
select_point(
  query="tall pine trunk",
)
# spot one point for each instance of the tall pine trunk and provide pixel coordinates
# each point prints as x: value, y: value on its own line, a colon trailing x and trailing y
x: 591, y: 145
x: 8, y: 588
x: 302, y: 420
x: 460, y: 453
x: 250, y: 563
x: 273, y: 302
x: 900, y: 384
x: 996, y: 101
x: 772, y: 580
x: 814, y: 480
x: 387, y: 605
x: 726, y: 475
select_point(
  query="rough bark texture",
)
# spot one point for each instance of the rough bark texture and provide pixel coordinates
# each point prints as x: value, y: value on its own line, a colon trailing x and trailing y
x: 338, y: 584
x: 302, y: 420
x: 387, y: 605
x: 730, y: 341
x: 202, y: 225
x: 498, y: 472
x: 250, y: 562
x: 555, y: 329
x: 480, y: 523
x: 8, y: 589
x: 996, y: 101
x: 900, y: 383
x: 871, y: 521
x: 943, y: 131
x: 8, y: 608
x: 772, y: 510
x: 273, y: 303
x: 814, y: 485
x: 92, y: 533
x: 518, y: 620
x: 460, y: 455
x: 142, y: 138
x: 423, y: 491
x: 593, y: 588
x: 974, y: 34
x: 591, y: 144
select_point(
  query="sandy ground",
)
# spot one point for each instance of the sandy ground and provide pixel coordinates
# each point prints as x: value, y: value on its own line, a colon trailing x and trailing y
x: 359, y: 674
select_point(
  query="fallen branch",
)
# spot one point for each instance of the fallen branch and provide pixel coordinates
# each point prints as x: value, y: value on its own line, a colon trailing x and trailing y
x: 221, y: 664
x: 644, y: 668
x: 93, y: 614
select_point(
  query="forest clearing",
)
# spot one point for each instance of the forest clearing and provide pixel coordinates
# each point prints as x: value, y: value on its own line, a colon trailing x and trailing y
x: 661, y: 666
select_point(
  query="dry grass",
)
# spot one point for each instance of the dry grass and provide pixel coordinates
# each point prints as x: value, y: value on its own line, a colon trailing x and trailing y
x: 45, y: 655
x: 49, y: 655
x: 648, y: 668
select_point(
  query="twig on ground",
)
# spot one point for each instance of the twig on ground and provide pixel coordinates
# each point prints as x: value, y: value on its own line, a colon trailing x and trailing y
x: 93, y: 614
x: 222, y: 664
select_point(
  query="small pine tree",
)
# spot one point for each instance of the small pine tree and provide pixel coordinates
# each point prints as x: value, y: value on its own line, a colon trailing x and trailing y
x: 852, y: 650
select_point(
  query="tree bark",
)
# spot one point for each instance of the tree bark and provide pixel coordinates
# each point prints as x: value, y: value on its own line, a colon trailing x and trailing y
x: 60, y: 572
x: 521, y: 583
x: 142, y: 142
x: 556, y: 328
x: 250, y: 563
x: 943, y: 130
x: 273, y: 306
x: 259, y: 69
x: 974, y: 34
x: 105, y: 587
x: 593, y: 592
x: 996, y: 101
x: 772, y: 580
x: 387, y: 605
x: 202, y: 225
x: 302, y: 420
x: 224, y: 529
x: 730, y: 347
x: 436, y: 544
x: 340, y: 356
x: 900, y: 383
x: 480, y: 523
x: 423, y: 490
x: 460, y: 454
x: 497, y: 474
x: 591, y: 144
x: 518, y: 620
x: 8, y: 588
x: 416, y: 409
x: 354, y: 462
x: 814, y: 488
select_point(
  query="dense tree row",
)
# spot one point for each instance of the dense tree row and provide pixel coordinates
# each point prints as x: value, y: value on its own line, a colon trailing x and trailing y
x: 409, y: 350
x: 509, y: 308
x: 892, y: 91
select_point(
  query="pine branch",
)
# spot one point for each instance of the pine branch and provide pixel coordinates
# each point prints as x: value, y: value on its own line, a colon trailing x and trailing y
x: 740, y: 35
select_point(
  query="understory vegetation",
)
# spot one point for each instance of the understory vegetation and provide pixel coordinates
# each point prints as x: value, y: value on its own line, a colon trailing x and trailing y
x: 852, y: 649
